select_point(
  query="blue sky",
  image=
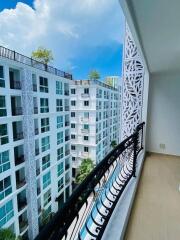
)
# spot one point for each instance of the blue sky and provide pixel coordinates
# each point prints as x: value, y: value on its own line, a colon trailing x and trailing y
x: 83, y: 34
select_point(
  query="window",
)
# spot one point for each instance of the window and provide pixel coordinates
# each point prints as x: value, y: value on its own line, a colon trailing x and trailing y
x: 73, y: 125
x: 86, y: 90
x: 3, y: 111
x: 60, y: 169
x: 59, y: 137
x: 86, y: 138
x: 86, y: 149
x: 73, y: 114
x: 86, y: 126
x: 73, y: 103
x: 4, y: 161
x: 44, y: 125
x: 73, y: 147
x: 59, y: 121
x: 2, y: 81
x: 73, y: 136
x: 3, y: 134
x: 47, y: 197
x: 43, y: 84
x: 86, y: 103
x: 5, y: 187
x: 45, y: 143
x: 59, y: 88
x: 6, y: 213
x: 44, y: 105
x: 60, y: 184
x: 73, y: 91
x: 46, y: 180
x: 46, y: 162
x: 60, y: 153
x: 86, y: 115
x: 59, y: 105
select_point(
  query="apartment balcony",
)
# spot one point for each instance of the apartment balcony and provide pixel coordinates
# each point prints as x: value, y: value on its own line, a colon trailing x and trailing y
x: 36, y: 131
x: 86, y: 131
x: 66, y: 92
x: 16, y: 111
x: 35, y: 87
x: 35, y: 110
x: 67, y: 108
x: 19, y: 160
x: 37, y: 151
x: 93, y: 201
x: 85, y: 95
x: 67, y: 152
x: 20, y: 183
x: 23, y: 225
x: 67, y: 138
x: 15, y: 85
x: 18, y: 136
x: 38, y: 190
x: 67, y: 124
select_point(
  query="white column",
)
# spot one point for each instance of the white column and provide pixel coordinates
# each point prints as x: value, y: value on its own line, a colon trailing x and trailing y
x: 29, y: 152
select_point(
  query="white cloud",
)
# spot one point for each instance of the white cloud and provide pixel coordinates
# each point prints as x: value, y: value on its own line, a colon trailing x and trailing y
x: 68, y: 27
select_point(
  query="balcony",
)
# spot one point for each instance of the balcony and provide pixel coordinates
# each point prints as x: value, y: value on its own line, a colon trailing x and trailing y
x: 20, y: 178
x: 35, y: 110
x: 67, y: 138
x: 86, y: 131
x: 67, y: 152
x: 35, y: 87
x: 67, y: 108
x: 16, y: 111
x: 67, y: 124
x: 14, y: 76
x: 19, y: 160
x: 85, y: 95
x: 36, y: 131
x: 98, y: 193
x: 66, y: 92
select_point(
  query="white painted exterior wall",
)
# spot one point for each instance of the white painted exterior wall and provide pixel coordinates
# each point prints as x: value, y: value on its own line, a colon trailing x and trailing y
x: 52, y: 115
x: 164, y: 114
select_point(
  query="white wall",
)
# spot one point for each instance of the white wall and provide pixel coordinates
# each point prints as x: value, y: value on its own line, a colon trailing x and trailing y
x: 164, y: 114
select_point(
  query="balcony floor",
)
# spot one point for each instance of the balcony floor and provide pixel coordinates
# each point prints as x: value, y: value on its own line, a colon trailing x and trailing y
x: 156, y: 210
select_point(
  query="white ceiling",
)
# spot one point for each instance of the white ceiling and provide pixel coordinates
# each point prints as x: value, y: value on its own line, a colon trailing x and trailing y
x: 157, y: 24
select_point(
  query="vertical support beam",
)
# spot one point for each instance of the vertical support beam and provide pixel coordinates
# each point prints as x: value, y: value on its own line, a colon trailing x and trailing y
x: 132, y: 87
x: 29, y: 152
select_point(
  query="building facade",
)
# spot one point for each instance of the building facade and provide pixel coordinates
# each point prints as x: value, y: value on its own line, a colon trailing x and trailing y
x: 114, y: 81
x: 95, y: 114
x: 35, y: 160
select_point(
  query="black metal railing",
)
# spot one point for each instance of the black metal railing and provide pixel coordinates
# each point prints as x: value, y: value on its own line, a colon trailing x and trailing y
x: 89, y: 208
x: 12, y: 55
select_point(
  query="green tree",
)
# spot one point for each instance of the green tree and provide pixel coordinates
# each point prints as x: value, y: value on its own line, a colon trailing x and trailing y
x: 7, y: 234
x: 85, y: 168
x: 43, y: 55
x: 113, y: 143
x: 94, y: 75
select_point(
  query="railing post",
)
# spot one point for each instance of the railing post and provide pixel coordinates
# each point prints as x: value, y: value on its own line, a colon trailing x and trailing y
x: 135, y: 153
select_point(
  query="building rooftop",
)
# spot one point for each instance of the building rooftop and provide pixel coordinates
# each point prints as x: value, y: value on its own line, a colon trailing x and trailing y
x: 12, y: 55
x: 97, y: 82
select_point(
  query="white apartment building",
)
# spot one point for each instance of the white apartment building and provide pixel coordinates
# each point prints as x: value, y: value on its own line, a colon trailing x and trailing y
x: 114, y: 81
x: 95, y: 114
x: 35, y: 161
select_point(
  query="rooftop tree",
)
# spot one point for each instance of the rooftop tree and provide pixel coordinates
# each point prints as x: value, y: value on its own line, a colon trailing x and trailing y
x: 43, y: 55
x: 94, y: 75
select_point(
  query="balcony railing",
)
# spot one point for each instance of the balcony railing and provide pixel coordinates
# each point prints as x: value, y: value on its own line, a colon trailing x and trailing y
x: 89, y: 208
x: 22, y: 204
x: 85, y: 95
x: 35, y: 87
x: 67, y: 152
x: 36, y: 131
x: 12, y: 55
x: 67, y: 138
x: 67, y: 108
